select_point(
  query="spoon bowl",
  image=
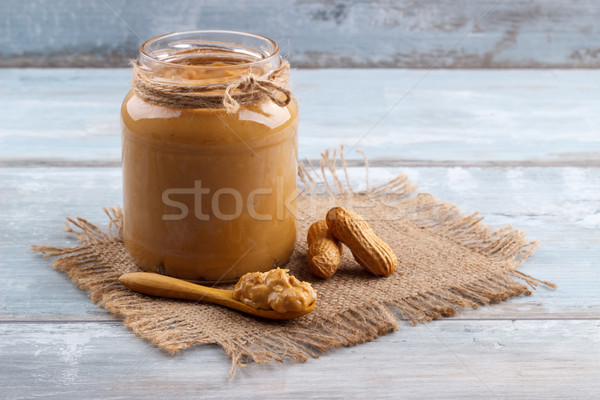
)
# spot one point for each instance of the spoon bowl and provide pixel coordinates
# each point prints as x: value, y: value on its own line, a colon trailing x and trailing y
x: 164, y: 286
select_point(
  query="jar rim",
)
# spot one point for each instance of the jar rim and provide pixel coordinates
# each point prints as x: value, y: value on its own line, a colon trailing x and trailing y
x: 272, y: 53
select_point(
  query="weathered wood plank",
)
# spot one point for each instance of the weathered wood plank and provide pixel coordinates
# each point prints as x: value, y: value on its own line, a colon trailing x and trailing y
x: 458, y: 116
x: 444, y: 359
x: 317, y: 33
x: 558, y: 206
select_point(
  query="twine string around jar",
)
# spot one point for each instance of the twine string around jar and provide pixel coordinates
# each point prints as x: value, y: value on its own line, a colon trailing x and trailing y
x: 230, y: 96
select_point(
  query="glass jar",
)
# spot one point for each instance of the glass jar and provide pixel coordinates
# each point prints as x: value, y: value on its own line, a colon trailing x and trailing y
x: 208, y: 193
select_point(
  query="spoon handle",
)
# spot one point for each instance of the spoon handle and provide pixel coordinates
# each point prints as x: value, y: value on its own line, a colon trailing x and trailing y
x: 165, y: 286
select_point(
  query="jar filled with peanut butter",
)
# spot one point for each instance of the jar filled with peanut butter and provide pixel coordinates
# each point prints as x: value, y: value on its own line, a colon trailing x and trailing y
x: 209, y: 156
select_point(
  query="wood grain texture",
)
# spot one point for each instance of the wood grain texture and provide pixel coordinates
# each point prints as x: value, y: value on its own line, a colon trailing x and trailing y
x: 315, y: 33
x: 523, y: 117
x: 560, y: 207
x: 447, y: 359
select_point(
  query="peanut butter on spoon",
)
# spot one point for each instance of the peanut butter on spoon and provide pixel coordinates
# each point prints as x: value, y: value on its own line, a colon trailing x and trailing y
x: 274, y: 290
x: 273, y: 294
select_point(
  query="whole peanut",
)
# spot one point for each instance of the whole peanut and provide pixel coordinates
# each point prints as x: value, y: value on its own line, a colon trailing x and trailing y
x: 369, y: 250
x: 324, y: 251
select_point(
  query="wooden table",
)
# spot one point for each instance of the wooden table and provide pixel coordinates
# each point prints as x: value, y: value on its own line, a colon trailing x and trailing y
x: 521, y: 146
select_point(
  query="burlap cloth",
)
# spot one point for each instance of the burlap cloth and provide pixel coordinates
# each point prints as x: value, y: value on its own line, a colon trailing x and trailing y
x: 447, y: 261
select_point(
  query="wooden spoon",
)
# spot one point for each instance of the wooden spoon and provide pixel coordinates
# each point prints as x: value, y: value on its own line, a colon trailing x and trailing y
x: 165, y: 286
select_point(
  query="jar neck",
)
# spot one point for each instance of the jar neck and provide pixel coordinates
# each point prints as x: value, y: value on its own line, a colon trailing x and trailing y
x: 208, y: 57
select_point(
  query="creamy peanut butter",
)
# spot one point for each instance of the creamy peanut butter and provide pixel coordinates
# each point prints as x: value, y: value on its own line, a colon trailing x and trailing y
x: 207, y: 193
x: 274, y: 290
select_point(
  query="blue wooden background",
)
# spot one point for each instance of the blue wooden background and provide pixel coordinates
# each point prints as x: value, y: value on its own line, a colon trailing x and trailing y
x: 315, y: 33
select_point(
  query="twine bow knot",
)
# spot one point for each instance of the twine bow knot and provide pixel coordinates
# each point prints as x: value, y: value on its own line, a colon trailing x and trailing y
x: 252, y: 83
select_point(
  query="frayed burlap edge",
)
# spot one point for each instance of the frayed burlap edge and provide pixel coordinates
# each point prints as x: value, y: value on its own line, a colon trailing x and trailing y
x: 356, y: 325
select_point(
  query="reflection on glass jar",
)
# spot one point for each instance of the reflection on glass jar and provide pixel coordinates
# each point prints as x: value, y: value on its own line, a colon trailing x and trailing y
x: 208, y: 192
